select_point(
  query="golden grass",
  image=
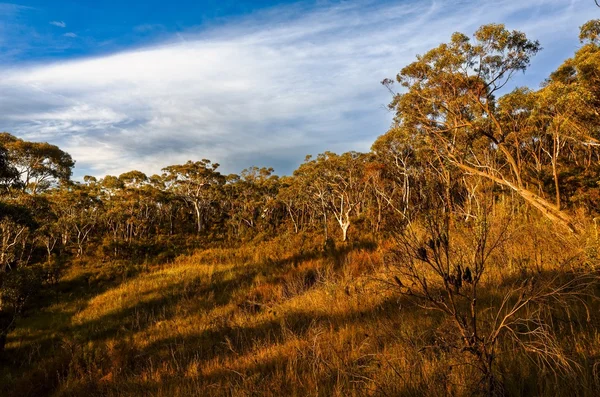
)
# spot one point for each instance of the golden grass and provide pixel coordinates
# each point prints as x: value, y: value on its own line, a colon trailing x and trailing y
x: 269, y: 320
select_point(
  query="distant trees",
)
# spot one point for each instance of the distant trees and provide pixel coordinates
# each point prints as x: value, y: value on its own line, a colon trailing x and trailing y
x: 197, y: 184
x: 336, y: 185
x: 452, y: 129
x: 402, y: 161
x: 296, y: 201
x: 250, y: 199
x: 78, y: 213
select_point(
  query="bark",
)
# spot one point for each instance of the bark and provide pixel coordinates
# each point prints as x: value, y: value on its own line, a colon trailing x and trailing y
x: 198, y: 217
x: 344, y: 226
x: 548, y: 209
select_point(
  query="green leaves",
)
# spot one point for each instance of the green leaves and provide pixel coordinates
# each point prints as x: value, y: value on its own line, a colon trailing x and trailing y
x: 590, y: 32
x: 39, y: 165
x: 525, y: 139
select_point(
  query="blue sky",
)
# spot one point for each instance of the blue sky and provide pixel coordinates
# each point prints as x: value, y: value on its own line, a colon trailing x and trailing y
x: 55, y: 29
x: 137, y: 84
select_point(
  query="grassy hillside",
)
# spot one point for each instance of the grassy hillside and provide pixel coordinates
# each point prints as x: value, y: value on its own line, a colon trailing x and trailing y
x: 285, y: 317
x: 459, y: 257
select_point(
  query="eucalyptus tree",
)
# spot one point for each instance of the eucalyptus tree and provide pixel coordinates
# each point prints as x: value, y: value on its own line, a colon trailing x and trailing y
x: 17, y: 280
x: 16, y: 225
x: 336, y: 184
x: 198, y: 184
x: 251, y: 198
x: 131, y: 211
x: 399, y: 164
x: 528, y: 141
x: 168, y: 206
x: 566, y: 120
x: 295, y: 197
x: 49, y: 231
x: 78, y: 209
x: 9, y: 176
x: 39, y: 165
x: 136, y: 204
x: 26, y: 169
x: 450, y: 100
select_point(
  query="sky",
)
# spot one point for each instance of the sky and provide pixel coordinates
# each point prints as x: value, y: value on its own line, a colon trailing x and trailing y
x: 132, y: 84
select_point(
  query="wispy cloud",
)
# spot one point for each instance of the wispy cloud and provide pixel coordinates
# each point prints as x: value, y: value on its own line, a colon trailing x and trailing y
x: 70, y: 34
x: 11, y: 8
x: 266, y: 90
x: 60, y: 24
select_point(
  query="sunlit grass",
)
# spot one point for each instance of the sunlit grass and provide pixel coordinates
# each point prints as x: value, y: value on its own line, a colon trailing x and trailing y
x: 266, y: 320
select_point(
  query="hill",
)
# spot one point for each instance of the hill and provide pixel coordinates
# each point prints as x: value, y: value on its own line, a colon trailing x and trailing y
x: 284, y: 317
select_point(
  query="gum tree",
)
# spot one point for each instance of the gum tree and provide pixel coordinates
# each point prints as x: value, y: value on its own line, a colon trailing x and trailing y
x: 450, y: 100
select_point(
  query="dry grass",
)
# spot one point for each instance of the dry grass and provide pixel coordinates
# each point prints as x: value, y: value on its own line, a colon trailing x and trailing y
x: 278, y: 318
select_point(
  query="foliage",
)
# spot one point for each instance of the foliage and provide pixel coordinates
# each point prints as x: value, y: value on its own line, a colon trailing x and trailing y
x: 39, y: 165
x: 458, y: 257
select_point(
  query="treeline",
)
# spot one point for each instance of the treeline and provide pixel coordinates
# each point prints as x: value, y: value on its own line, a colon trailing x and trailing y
x: 454, y: 140
x: 136, y: 217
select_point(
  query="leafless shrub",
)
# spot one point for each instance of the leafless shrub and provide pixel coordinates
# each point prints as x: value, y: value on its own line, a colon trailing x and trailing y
x: 448, y: 265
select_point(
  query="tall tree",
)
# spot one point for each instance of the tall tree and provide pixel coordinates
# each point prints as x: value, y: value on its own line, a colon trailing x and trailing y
x: 198, y: 184
x: 9, y: 176
x: 39, y: 164
x: 451, y: 100
x: 336, y: 183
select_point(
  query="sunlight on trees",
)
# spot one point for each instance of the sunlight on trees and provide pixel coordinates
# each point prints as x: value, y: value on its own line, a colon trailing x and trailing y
x: 459, y: 256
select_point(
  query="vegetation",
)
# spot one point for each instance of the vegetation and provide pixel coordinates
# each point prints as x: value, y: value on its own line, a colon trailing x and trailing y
x: 459, y: 257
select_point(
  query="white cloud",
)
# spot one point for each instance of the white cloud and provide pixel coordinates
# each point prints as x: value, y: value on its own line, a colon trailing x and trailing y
x: 70, y: 34
x: 60, y: 24
x: 262, y: 91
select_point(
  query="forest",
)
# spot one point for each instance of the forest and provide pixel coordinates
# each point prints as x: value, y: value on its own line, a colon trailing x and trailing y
x: 460, y: 256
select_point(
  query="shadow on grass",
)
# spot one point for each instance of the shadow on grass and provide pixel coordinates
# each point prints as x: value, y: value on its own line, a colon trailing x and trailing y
x: 178, y: 352
x: 337, y: 254
x: 219, y: 342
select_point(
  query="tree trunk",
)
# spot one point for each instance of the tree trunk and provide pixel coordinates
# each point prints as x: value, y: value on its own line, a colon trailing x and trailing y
x: 345, y: 226
x: 344, y: 221
x: 548, y: 209
x: 555, y: 171
x: 289, y: 207
x: 198, y: 217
